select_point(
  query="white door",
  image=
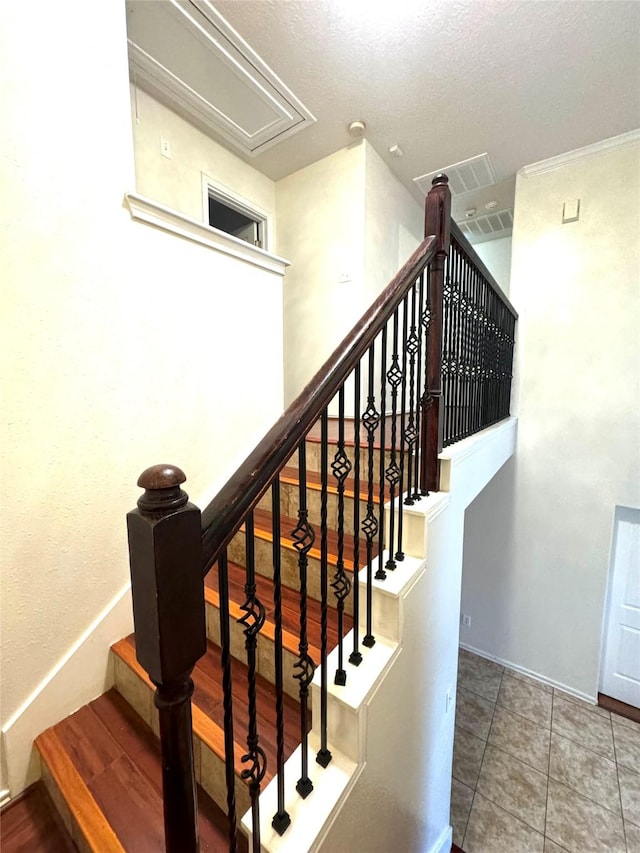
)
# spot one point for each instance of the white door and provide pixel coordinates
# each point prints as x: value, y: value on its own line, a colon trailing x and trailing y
x: 620, y: 675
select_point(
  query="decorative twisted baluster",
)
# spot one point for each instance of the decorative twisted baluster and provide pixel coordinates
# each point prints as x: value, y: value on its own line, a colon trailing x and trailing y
x: 370, y: 419
x: 392, y: 472
x: 252, y: 622
x: 403, y: 426
x: 227, y: 701
x: 324, y: 755
x: 355, y: 657
x: 341, y: 585
x: 380, y: 572
x: 411, y: 432
x: 281, y: 818
x: 418, y: 288
x: 303, y: 537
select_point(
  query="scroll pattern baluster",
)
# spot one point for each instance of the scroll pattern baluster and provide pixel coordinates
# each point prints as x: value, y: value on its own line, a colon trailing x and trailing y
x: 355, y: 657
x: 341, y: 585
x: 392, y: 473
x: 324, y: 755
x: 281, y: 819
x: 370, y: 419
x: 252, y: 622
x: 303, y: 537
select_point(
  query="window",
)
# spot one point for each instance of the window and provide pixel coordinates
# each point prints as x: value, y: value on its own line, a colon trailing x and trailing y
x: 234, y: 216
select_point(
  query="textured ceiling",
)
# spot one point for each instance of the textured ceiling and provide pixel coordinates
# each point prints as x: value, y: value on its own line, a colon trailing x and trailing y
x: 447, y: 80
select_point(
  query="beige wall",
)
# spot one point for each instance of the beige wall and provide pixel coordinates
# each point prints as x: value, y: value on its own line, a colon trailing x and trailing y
x: 121, y: 344
x: 320, y: 212
x: 177, y: 182
x: 538, y: 539
x: 496, y: 254
x: 394, y: 224
x: 347, y: 214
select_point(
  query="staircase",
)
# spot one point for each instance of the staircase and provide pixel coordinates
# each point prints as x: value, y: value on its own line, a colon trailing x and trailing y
x: 275, y: 628
x: 102, y: 765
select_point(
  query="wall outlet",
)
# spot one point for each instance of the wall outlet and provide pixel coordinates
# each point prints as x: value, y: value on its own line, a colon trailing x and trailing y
x: 448, y: 700
x: 466, y: 620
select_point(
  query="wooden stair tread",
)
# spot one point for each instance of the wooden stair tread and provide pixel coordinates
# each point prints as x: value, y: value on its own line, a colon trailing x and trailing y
x: 333, y: 428
x: 290, y: 610
x: 30, y: 822
x: 106, y: 764
x: 263, y: 528
x: 208, y: 710
x: 314, y: 481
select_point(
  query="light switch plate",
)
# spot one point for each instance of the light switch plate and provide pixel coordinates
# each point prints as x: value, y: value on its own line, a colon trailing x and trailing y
x: 571, y: 211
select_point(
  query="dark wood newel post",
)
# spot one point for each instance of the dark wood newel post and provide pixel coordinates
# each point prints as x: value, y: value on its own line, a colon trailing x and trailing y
x: 165, y: 553
x: 437, y: 222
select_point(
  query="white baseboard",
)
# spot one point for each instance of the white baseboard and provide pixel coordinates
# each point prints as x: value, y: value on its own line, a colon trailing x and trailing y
x: 80, y: 675
x: 443, y: 844
x: 592, y: 700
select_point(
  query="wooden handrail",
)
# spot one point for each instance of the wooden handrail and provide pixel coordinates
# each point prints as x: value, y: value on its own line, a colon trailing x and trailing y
x: 225, y: 514
x: 474, y: 258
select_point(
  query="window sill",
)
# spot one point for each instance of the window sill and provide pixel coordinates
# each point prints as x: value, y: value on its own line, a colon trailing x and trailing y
x: 143, y: 209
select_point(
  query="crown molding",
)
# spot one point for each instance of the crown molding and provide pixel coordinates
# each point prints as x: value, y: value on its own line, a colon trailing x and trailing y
x: 596, y: 149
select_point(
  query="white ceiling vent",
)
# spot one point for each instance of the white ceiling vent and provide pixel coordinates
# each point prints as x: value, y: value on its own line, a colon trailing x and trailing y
x: 464, y: 177
x: 186, y: 54
x: 489, y: 227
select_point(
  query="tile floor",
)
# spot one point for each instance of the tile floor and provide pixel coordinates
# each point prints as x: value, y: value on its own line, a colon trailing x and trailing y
x: 538, y: 771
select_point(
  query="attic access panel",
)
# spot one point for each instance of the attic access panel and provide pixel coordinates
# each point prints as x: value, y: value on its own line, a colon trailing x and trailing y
x: 184, y: 52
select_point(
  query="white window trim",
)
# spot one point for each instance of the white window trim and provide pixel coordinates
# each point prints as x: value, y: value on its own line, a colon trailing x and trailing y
x: 146, y: 210
x: 211, y: 188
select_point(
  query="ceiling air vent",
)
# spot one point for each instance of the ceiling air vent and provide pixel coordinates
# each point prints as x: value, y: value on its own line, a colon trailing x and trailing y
x: 489, y: 227
x: 464, y: 177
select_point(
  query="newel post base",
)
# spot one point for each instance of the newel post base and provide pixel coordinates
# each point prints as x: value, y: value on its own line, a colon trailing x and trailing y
x: 167, y: 586
x: 437, y: 222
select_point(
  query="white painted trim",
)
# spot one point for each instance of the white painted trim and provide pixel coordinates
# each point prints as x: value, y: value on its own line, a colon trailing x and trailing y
x: 80, y: 675
x: 596, y: 149
x: 443, y: 844
x: 151, y: 212
x: 458, y: 452
x: 592, y: 700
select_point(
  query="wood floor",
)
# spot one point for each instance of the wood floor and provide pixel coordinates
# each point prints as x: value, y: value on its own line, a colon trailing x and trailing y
x: 113, y: 760
x: 30, y: 824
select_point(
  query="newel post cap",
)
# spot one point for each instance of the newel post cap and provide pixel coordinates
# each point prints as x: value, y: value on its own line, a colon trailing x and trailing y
x: 440, y: 179
x: 162, y: 488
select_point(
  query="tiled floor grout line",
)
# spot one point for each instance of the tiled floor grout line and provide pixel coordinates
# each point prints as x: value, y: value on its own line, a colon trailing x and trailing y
x: 567, y: 734
x: 484, y: 752
x: 615, y: 753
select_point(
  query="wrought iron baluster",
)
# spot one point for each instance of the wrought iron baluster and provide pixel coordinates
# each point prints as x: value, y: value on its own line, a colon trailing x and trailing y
x: 341, y: 585
x: 356, y: 657
x: 227, y: 692
x: 446, y: 355
x: 324, y: 755
x: 411, y: 433
x: 303, y: 537
x: 392, y: 473
x: 403, y: 415
x: 380, y: 572
x: 419, y: 287
x: 370, y: 419
x: 456, y: 296
x: 252, y: 622
x: 281, y: 818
